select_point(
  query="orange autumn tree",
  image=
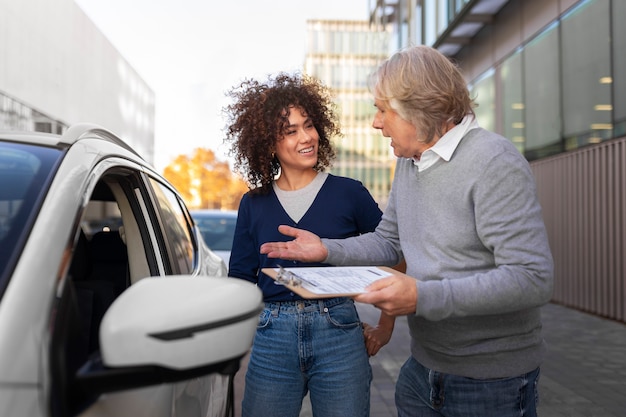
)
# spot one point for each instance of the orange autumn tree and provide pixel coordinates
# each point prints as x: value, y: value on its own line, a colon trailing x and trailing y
x: 205, y: 182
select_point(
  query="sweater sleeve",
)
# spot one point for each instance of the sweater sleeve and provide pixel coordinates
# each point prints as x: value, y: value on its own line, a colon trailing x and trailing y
x: 377, y: 246
x: 244, y: 261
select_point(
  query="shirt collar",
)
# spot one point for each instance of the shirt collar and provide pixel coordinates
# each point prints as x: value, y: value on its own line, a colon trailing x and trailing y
x: 447, y: 144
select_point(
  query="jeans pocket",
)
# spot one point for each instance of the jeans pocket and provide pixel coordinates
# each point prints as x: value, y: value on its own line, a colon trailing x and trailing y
x: 343, y: 315
x: 265, y: 318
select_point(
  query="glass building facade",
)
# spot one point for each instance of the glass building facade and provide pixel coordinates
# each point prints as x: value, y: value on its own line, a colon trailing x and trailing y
x: 560, y: 88
x: 342, y: 54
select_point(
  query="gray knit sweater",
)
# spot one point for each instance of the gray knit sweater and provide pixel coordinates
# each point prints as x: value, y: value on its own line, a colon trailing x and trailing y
x: 473, y: 236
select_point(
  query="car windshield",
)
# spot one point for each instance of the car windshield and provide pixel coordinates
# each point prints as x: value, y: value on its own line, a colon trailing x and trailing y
x: 217, y: 229
x: 25, y: 174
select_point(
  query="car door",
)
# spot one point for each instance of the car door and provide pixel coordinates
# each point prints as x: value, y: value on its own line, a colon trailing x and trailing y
x: 133, y: 225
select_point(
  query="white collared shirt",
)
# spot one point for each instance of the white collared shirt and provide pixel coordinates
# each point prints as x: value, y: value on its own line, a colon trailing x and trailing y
x: 446, y: 145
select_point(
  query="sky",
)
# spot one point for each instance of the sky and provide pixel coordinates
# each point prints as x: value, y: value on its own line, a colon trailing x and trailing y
x: 190, y: 52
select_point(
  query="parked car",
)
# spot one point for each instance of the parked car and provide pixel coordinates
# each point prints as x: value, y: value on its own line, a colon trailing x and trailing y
x: 110, y: 302
x: 218, y: 229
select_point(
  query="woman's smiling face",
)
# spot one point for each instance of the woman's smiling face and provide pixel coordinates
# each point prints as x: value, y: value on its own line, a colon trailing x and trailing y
x: 297, y: 149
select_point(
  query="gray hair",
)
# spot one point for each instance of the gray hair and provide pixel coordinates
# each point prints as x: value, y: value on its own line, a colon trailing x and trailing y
x: 424, y: 87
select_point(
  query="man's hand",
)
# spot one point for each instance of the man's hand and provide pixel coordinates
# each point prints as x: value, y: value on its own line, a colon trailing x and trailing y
x: 306, y: 247
x: 395, y: 295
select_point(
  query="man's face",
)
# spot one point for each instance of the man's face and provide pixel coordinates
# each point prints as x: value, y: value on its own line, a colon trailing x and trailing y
x: 402, y: 133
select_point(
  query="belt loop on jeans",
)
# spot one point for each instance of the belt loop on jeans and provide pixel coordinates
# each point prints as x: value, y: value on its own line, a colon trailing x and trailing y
x: 275, y: 309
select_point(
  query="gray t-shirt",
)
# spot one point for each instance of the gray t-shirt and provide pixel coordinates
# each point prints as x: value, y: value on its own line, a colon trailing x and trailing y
x: 297, y: 202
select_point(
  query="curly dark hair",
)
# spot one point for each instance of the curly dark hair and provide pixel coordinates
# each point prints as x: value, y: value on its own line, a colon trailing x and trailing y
x: 259, y: 115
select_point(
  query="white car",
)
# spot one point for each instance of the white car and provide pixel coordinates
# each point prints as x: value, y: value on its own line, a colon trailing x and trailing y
x: 110, y: 302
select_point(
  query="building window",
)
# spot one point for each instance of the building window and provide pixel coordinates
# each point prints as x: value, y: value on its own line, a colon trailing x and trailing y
x: 586, y: 74
x: 430, y: 21
x: 513, y: 105
x: 45, y: 127
x: 542, y: 95
x: 618, y: 14
x: 483, y: 92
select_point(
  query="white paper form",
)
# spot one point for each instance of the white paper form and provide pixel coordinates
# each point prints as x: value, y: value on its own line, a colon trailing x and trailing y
x: 337, y: 279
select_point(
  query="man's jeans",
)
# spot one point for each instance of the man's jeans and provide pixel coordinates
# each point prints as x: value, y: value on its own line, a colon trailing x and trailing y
x: 421, y: 392
x: 311, y: 345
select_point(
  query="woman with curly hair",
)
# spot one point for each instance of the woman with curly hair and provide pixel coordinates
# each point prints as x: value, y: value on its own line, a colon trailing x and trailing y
x: 280, y: 131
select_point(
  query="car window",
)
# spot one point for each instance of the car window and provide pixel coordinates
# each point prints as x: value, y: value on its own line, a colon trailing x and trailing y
x: 177, y: 229
x: 25, y: 173
x: 217, y: 230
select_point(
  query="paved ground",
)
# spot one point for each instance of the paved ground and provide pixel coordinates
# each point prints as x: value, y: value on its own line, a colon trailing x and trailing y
x: 584, y: 374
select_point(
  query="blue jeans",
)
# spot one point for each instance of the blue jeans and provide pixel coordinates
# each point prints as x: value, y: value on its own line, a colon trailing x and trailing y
x: 421, y: 392
x: 312, y: 345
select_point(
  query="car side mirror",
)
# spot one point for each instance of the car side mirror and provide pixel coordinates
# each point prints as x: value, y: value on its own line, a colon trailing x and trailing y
x: 168, y: 329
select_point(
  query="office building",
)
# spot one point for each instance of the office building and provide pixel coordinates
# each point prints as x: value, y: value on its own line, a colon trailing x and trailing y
x: 59, y: 69
x: 342, y: 54
x: 550, y: 75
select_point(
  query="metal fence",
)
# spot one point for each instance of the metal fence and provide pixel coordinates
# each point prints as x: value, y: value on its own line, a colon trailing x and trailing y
x: 583, y: 196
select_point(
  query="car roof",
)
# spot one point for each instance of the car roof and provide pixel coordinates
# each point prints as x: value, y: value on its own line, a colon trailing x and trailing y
x: 72, y: 135
x: 35, y: 138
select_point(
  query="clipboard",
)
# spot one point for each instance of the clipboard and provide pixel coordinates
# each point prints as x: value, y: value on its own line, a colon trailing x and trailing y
x: 328, y: 281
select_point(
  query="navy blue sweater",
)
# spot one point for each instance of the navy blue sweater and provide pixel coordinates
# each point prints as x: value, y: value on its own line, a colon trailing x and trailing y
x: 342, y: 208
